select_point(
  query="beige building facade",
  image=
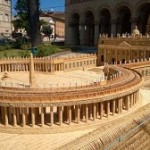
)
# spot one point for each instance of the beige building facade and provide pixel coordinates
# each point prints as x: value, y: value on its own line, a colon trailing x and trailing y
x: 57, y: 22
x: 5, y: 18
x: 123, y: 50
x: 86, y: 19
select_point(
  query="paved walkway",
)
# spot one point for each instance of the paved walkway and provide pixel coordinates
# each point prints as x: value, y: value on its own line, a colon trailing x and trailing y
x: 37, y: 141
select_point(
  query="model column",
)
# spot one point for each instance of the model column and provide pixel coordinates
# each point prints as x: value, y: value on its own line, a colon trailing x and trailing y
x: 23, y: 117
x: 131, y: 100
x: 137, y: 96
x: 107, y: 108
x: 60, y: 115
x: 86, y: 112
x: 127, y: 102
x: 8, y: 67
x: 120, y: 105
x: 69, y: 114
x: 2, y: 68
x: 33, y: 116
x: 101, y: 110
x: 51, y: 116
x: 14, y: 117
x: 113, y: 107
x: 6, y: 116
x: 78, y: 113
x: 42, y: 116
x: 94, y: 112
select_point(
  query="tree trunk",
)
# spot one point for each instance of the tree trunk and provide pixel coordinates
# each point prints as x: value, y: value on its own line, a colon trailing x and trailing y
x: 34, y: 22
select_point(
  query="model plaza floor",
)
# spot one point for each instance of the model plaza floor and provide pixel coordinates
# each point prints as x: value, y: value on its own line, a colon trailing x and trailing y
x: 55, y: 139
x: 59, y: 79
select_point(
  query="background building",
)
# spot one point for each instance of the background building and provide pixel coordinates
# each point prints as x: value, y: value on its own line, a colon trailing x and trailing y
x: 85, y: 20
x: 123, y: 50
x: 5, y: 18
x: 54, y: 19
x: 57, y: 22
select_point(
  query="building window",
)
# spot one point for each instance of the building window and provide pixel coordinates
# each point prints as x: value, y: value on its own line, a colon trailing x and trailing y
x: 6, y: 17
x: 6, y: 2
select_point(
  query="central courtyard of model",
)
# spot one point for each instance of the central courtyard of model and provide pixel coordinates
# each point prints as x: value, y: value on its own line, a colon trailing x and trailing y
x: 57, y: 80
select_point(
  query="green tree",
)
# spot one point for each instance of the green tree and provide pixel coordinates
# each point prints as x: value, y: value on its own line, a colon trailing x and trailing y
x: 28, y: 18
x: 47, y: 30
x: 22, y: 17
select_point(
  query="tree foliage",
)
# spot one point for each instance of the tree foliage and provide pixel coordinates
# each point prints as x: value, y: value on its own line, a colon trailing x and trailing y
x: 28, y: 18
x: 22, y: 16
x: 47, y: 30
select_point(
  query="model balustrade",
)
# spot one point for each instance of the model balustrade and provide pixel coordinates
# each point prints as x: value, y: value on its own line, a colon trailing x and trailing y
x: 29, y: 106
x: 48, y: 64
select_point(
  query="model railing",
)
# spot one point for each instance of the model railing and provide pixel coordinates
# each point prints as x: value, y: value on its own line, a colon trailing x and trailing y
x: 86, y: 92
x: 139, y: 64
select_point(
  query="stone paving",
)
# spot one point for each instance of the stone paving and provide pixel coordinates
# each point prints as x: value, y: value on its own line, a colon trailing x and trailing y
x: 37, y: 141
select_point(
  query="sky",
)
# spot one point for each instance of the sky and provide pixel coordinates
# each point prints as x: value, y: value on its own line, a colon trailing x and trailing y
x: 55, y: 5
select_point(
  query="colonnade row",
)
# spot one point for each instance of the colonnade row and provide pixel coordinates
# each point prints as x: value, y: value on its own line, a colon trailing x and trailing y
x: 144, y: 72
x: 83, y: 34
x: 126, y: 57
x: 47, y: 67
x: 75, y: 114
x: 102, y: 60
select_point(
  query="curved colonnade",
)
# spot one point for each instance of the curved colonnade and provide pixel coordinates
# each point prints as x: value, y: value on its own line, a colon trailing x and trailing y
x: 56, y: 107
x: 143, y: 67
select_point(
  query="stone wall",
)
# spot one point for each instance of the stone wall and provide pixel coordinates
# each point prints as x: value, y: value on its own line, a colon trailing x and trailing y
x: 5, y: 18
